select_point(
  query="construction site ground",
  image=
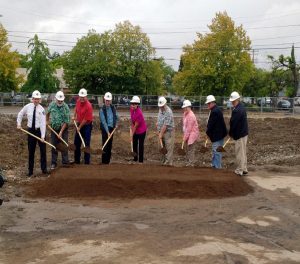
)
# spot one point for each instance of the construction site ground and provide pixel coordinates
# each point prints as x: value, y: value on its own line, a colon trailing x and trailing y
x: 148, y: 213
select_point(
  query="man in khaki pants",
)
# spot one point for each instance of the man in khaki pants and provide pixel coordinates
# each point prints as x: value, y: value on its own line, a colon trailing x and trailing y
x: 165, y: 128
x: 239, y: 132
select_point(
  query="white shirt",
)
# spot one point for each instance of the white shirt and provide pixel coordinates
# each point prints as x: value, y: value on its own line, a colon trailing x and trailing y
x: 40, y: 117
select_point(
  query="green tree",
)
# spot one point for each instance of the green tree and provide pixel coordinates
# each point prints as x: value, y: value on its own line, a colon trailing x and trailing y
x: 287, y: 67
x: 258, y: 85
x: 133, y: 52
x: 91, y: 63
x: 9, y: 62
x: 118, y: 61
x: 217, y: 62
x: 41, y: 72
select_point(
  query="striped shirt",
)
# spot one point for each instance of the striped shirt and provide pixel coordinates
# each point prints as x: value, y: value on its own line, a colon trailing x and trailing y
x: 165, y: 118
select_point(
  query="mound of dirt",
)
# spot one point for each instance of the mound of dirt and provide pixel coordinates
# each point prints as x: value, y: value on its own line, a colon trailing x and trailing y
x: 138, y: 181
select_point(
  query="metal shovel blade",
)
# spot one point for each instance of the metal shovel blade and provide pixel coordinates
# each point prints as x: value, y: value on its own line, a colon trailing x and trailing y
x: 96, y: 151
x: 61, y: 147
x: 181, y: 152
x: 72, y: 147
x: 221, y: 149
x: 86, y: 150
x: 163, y: 150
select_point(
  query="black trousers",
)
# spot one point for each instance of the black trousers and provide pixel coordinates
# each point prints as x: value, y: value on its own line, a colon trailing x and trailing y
x: 106, y: 155
x: 31, y: 149
x: 138, y: 146
x: 86, y: 133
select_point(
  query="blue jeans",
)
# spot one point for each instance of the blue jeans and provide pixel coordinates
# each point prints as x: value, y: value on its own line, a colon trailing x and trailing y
x: 217, y: 156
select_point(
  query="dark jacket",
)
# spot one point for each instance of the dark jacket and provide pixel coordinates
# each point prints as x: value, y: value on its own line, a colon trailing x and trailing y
x: 238, y: 122
x: 216, y: 128
x: 105, y: 115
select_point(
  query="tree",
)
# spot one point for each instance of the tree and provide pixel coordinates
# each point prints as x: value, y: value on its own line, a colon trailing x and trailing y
x: 91, y: 63
x: 118, y: 61
x: 259, y: 84
x: 287, y: 64
x: 217, y: 62
x: 9, y: 62
x: 133, y: 52
x: 41, y: 72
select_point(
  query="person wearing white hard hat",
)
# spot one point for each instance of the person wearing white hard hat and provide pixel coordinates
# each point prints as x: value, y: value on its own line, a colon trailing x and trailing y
x: 239, y: 133
x: 165, y: 129
x: 108, y: 122
x: 58, y: 117
x: 83, y: 115
x: 190, y: 132
x: 138, y: 129
x: 215, y: 130
x: 36, y: 125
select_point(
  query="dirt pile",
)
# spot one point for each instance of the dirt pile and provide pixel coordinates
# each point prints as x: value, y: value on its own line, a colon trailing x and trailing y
x: 138, y: 181
x: 271, y: 142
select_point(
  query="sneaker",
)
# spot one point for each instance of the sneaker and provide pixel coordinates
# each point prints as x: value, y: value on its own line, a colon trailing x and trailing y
x: 238, y: 173
x: 53, y: 166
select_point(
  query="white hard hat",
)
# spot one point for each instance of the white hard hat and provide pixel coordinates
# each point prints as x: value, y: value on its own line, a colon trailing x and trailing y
x: 36, y: 94
x: 234, y: 96
x: 186, y: 103
x: 209, y: 99
x: 135, y: 99
x: 108, y: 96
x: 162, y: 101
x: 82, y: 92
x: 60, y: 96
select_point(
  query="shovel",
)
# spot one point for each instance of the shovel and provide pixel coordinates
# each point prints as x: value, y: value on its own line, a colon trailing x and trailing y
x: 181, y: 151
x: 38, y: 138
x: 100, y: 151
x: 85, y: 149
x: 132, y: 153
x: 64, y: 146
x: 204, y: 148
x: 222, y: 148
x: 163, y: 149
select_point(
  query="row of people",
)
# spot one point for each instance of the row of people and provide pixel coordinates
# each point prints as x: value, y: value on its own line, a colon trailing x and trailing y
x: 58, y: 117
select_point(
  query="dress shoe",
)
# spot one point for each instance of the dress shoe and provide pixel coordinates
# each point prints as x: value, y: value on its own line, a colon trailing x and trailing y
x: 29, y: 174
x: 245, y: 172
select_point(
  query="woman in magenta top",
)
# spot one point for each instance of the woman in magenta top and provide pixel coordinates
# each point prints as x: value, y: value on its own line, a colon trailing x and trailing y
x: 138, y: 128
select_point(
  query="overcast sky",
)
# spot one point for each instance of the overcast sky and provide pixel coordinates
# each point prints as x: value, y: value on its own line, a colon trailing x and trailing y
x: 272, y: 25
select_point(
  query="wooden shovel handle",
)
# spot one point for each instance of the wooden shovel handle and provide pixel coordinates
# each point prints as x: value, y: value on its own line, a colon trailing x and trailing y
x: 226, y: 142
x: 79, y: 134
x: 38, y: 138
x: 161, y: 143
x: 131, y: 144
x: 58, y: 135
x: 205, y: 142
x: 182, y: 144
x: 109, y: 138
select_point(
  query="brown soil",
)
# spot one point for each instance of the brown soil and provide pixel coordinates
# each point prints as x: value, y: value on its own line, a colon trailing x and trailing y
x: 127, y: 182
x: 129, y: 213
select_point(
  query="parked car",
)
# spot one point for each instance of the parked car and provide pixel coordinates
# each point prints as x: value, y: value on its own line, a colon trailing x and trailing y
x: 264, y: 101
x: 17, y: 99
x: 283, y: 104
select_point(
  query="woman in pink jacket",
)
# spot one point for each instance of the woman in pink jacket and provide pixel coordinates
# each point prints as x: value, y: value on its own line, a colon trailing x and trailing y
x: 190, y: 132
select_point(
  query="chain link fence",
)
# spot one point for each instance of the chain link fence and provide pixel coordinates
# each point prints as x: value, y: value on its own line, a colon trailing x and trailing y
x: 149, y: 102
